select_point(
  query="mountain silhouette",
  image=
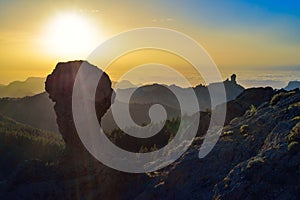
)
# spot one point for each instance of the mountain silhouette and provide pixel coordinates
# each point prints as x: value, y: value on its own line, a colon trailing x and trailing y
x: 256, y: 156
x: 29, y: 87
x: 38, y: 111
x: 292, y: 85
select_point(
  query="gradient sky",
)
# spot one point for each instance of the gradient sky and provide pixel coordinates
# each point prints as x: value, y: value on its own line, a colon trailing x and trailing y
x: 243, y: 34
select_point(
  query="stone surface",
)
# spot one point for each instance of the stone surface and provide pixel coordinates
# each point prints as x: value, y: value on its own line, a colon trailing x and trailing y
x: 59, y: 85
x: 255, y: 164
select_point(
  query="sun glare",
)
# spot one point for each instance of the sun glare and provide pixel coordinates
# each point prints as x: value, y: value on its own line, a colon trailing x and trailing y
x: 71, y: 35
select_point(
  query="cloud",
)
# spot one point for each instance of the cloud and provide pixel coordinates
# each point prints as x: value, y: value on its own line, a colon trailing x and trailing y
x: 162, y: 20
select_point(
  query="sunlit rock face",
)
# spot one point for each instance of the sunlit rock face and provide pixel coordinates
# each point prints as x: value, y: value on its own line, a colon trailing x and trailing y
x: 59, y: 85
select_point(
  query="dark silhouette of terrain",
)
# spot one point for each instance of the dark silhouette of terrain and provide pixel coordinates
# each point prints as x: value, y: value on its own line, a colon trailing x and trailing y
x: 250, y: 98
x: 257, y: 155
x: 19, y: 142
x: 59, y: 85
x: 157, y: 93
x: 38, y: 111
x: 29, y: 87
x: 124, y: 84
x: 293, y: 85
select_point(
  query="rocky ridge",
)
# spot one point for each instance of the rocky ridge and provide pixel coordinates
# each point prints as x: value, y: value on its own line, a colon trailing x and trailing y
x: 257, y: 155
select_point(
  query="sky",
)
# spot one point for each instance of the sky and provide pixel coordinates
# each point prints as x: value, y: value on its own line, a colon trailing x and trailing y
x: 245, y: 34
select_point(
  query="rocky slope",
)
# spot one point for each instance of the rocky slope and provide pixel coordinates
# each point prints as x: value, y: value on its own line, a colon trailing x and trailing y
x: 249, y: 98
x: 257, y: 155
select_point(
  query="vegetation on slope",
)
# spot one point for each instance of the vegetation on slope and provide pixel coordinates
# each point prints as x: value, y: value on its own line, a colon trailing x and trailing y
x: 20, y: 142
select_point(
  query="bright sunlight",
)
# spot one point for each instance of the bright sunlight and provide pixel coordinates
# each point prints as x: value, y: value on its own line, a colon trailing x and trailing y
x: 71, y: 35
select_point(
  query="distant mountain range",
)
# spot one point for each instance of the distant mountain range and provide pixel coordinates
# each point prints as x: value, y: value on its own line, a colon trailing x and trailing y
x: 38, y: 111
x: 292, y: 85
x: 29, y: 87
x: 36, y: 85
x: 157, y: 93
x: 124, y: 84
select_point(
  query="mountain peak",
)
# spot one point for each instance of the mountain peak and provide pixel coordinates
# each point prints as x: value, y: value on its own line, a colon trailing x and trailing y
x: 292, y: 85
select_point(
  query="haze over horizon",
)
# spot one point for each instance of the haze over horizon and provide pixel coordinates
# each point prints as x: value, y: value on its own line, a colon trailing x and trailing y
x: 35, y: 35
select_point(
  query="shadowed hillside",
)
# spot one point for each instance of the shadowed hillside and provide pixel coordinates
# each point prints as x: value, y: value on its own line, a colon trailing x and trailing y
x: 256, y: 156
x: 19, y: 142
x: 36, y: 111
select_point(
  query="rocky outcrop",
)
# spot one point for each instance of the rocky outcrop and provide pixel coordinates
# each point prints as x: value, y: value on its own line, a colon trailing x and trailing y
x: 247, y: 100
x: 59, y: 85
x: 76, y: 175
x: 273, y: 169
x: 292, y: 85
x: 257, y: 156
x: 249, y: 97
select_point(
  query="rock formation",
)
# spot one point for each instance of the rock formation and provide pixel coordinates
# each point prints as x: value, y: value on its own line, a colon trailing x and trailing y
x: 292, y: 85
x: 77, y: 161
x: 233, y: 78
x: 249, y: 97
x: 256, y: 157
x: 59, y: 85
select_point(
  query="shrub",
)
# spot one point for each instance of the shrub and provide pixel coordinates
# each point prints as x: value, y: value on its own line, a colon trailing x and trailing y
x: 233, y: 121
x: 294, y: 134
x: 228, y: 133
x: 143, y: 150
x: 244, y: 129
x: 294, y: 139
x: 282, y: 95
x: 255, y: 162
x: 296, y: 118
x: 294, y: 105
x: 251, y: 111
x: 294, y: 147
x: 227, y: 182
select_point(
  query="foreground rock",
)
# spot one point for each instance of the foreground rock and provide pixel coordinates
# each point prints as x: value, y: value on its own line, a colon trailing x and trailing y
x: 257, y: 155
x: 77, y: 175
x: 59, y: 85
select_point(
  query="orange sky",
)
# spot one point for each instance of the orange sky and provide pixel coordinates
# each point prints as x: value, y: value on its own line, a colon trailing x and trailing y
x: 33, y: 36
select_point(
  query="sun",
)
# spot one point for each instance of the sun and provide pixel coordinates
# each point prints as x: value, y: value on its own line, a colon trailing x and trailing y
x: 71, y: 35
